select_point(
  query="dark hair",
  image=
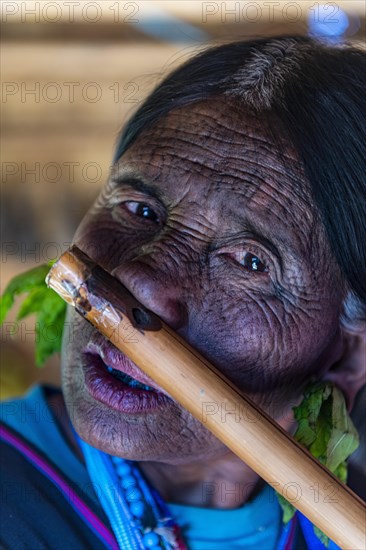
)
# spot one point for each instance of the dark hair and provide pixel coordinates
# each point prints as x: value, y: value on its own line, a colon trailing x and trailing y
x: 318, y: 92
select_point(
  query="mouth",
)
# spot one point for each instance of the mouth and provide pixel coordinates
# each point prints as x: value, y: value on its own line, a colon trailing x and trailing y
x: 128, y: 380
x: 114, y: 380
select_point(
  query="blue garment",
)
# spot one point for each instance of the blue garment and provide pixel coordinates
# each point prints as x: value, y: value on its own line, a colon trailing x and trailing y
x: 33, y: 419
x: 253, y: 526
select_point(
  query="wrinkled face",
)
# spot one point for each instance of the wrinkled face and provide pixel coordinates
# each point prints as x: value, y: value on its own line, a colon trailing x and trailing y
x: 211, y: 230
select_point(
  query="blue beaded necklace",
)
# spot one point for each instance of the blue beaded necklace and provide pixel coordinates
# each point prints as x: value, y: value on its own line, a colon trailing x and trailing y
x: 139, y: 517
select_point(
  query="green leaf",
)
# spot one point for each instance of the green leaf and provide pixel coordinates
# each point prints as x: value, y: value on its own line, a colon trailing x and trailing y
x: 49, y: 326
x: 325, y: 428
x: 344, y: 438
x: 321, y: 536
x: 49, y: 337
x: 288, y: 510
x: 33, y: 302
x: 25, y: 282
x: 6, y: 302
x: 49, y: 308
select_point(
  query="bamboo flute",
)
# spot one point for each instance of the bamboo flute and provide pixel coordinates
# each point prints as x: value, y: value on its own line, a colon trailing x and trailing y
x: 201, y: 389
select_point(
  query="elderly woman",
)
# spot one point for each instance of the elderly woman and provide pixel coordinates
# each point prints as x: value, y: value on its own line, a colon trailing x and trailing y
x: 235, y: 210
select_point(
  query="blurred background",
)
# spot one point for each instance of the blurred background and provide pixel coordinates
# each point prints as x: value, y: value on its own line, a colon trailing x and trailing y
x: 72, y: 74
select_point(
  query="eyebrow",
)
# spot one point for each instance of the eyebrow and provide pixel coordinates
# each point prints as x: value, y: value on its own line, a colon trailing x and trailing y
x: 259, y: 232
x: 129, y: 177
x: 254, y: 233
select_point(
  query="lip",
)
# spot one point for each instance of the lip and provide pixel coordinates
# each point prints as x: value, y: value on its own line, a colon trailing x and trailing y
x: 102, y: 386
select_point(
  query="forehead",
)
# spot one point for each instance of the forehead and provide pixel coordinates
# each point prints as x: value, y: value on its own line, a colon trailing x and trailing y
x: 217, y: 152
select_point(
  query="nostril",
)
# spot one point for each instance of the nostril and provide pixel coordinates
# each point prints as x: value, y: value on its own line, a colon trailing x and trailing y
x: 155, y: 292
x: 141, y: 317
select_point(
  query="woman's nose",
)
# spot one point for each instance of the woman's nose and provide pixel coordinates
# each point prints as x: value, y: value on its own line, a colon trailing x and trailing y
x: 155, y: 291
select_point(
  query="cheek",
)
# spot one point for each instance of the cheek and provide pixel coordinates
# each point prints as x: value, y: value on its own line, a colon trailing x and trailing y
x: 260, y: 344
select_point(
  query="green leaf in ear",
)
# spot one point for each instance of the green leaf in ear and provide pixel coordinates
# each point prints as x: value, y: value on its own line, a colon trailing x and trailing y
x: 325, y: 428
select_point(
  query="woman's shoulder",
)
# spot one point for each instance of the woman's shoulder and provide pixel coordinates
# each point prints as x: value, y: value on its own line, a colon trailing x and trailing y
x: 31, y: 417
x: 43, y: 485
x: 29, y: 407
x: 38, y: 502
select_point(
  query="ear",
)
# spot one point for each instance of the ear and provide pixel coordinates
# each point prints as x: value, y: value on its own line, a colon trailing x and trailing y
x: 349, y: 373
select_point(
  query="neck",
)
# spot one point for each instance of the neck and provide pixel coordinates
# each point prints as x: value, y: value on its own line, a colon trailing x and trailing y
x: 223, y: 483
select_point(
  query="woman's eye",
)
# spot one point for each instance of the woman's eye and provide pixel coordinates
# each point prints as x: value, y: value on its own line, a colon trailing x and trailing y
x: 142, y: 210
x: 253, y: 263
